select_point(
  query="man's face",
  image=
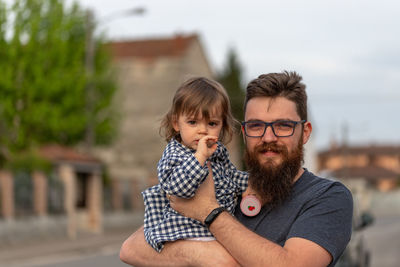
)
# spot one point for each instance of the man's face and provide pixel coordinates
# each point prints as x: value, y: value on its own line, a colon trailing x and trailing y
x: 268, y: 110
x: 274, y: 163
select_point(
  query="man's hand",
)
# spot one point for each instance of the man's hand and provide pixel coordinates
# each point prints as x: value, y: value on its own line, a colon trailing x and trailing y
x: 199, y: 206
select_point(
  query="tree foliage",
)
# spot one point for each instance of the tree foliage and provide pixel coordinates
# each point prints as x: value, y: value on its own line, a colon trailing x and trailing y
x: 44, y: 79
x: 231, y: 78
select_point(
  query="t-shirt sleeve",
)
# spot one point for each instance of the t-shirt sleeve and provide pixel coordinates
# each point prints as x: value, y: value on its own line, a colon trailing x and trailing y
x: 327, y: 220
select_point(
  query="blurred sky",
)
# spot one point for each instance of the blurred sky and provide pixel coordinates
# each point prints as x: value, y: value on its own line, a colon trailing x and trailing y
x: 348, y: 52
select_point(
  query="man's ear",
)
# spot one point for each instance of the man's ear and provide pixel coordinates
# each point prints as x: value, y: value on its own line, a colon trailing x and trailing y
x: 307, y: 129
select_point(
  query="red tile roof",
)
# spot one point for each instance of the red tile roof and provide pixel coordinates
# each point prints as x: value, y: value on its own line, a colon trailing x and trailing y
x: 151, y: 48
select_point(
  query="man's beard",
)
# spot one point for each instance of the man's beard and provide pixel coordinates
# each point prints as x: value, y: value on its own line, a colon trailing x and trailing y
x: 273, y: 182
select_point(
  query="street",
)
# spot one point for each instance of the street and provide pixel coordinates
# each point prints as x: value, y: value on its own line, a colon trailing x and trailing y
x: 94, y: 250
x: 102, y: 259
x: 383, y: 239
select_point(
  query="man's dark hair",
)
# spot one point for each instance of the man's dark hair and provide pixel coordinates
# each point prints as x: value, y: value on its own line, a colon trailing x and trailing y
x: 285, y: 84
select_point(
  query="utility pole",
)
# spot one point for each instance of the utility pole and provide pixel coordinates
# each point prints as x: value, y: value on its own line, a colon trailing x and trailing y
x: 89, y: 64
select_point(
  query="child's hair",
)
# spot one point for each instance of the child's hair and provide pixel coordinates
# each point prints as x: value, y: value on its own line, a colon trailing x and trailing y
x: 199, y: 96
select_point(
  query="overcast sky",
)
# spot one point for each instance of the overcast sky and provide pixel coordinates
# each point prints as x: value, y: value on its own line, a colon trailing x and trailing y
x: 348, y: 52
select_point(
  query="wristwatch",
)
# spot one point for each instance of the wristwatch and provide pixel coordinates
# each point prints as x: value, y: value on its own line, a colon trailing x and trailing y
x: 213, y: 215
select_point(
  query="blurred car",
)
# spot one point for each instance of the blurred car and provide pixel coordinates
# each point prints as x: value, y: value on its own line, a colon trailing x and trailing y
x: 356, y: 253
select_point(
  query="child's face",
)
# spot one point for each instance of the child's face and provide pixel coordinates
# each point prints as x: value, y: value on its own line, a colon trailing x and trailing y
x: 192, y: 129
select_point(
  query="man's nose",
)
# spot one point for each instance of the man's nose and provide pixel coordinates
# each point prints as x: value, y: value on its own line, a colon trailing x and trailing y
x: 269, y: 135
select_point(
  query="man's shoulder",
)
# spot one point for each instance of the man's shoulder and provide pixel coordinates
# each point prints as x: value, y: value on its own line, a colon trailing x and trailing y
x: 310, y: 182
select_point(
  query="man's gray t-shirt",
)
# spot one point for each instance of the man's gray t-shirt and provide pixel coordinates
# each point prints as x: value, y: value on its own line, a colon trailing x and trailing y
x: 318, y: 210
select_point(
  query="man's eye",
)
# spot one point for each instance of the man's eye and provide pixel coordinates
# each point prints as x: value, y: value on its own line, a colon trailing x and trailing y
x: 284, y: 124
x: 255, y: 125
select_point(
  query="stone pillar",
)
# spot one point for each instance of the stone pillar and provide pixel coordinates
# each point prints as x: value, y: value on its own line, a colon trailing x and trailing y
x: 95, y: 203
x: 116, y: 195
x: 7, y: 194
x: 68, y: 177
x: 39, y: 193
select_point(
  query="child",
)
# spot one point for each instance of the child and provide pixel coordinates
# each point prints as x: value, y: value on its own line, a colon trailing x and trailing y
x: 198, y: 122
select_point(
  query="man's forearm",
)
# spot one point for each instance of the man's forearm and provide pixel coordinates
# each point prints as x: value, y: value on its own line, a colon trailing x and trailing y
x: 250, y: 249
x: 135, y: 251
x: 242, y: 243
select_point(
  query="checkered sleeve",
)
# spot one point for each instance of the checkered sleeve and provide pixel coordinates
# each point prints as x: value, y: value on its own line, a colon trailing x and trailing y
x: 179, y: 172
x: 239, y: 178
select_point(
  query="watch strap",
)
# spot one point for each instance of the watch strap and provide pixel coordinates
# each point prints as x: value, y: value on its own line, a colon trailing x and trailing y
x: 213, y: 215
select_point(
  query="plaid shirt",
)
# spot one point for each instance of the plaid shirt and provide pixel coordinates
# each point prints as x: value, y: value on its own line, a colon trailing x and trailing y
x: 180, y: 174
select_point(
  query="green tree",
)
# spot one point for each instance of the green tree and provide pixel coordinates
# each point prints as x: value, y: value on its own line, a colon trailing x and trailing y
x: 44, y: 79
x: 231, y: 78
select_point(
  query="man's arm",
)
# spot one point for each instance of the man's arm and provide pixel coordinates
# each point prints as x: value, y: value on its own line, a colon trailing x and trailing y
x: 248, y: 248
x: 135, y: 251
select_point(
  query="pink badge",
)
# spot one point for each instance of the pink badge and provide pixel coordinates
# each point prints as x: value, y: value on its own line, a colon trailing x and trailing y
x: 250, y: 205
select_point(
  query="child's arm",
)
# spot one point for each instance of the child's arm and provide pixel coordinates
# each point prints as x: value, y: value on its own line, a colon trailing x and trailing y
x: 180, y: 175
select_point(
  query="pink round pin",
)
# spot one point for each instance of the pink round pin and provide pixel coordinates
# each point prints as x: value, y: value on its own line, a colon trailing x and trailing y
x: 250, y: 205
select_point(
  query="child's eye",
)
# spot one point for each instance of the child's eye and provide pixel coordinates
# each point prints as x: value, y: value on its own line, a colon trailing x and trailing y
x: 192, y: 122
x: 213, y: 123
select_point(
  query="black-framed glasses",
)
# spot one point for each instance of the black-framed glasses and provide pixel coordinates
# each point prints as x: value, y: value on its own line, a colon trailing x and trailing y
x: 280, y: 128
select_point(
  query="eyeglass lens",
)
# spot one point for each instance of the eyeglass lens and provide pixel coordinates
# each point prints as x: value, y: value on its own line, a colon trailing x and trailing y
x: 280, y: 128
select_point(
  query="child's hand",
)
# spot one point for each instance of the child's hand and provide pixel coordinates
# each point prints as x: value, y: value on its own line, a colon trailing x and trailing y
x: 205, y: 148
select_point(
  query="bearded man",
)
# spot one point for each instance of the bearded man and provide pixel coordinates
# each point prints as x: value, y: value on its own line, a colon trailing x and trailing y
x: 305, y: 220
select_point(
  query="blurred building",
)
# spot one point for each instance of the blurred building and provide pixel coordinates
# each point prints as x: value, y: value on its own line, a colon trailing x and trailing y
x: 74, y: 188
x: 379, y: 166
x: 149, y: 71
